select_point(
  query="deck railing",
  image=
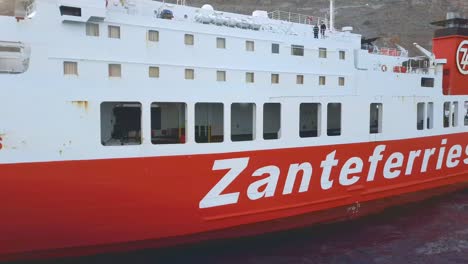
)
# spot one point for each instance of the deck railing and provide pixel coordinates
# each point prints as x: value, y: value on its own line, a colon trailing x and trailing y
x: 296, y: 18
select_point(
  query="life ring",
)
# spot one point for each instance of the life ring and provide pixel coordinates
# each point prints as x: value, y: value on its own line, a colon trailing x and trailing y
x: 384, y: 68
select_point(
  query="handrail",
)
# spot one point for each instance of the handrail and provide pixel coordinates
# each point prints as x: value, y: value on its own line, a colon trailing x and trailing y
x: 296, y: 18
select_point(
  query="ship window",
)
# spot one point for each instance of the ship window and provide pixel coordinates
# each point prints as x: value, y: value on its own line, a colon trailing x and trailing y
x: 455, y: 114
x: 421, y: 110
x: 376, y: 115
x: 92, y: 29
x: 342, y: 55
x: 115, y: 70
x: 209, y: 122
x: 249, y: 45
x: 297, y: 50
x: 120, y: 123
x: 168, y: 122
x: 466, y: 113
x: 221, y: 43
x: 322, y: 80
x: 334, y: 119
x: 271, y: 121
x: 70, y: 11
x: 447, y: 114
x: 221, y: 76
x: 153, y: 35
x: 322, y: 53
x: 341, y: 81
x: 300, y: 79
x: 114, y: 32
x: 310, y: 121
x: 70, y: 68
x: 189, y: 74
x: 430, y: 116
x: 242, y: 122
x: 250, y: 77
x: 153, y: 72
x: 275, y: 48
x: 427, y: 82
x: 275, y: 78
x: 189, y: 39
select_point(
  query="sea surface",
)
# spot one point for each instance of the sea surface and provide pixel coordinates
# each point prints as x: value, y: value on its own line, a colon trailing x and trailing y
x: 433, y: 231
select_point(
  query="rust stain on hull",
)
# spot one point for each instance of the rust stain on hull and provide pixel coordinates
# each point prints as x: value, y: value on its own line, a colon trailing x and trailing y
x: 81, y: 104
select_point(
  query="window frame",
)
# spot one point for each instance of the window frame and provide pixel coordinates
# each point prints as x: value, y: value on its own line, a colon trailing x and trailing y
x: 156, y: 71
x: 153, y: 35
x: 221, y: 41
x: 110, y: 34
x: 250, y: 46
x: 119, y: 67
x: 75, y: 67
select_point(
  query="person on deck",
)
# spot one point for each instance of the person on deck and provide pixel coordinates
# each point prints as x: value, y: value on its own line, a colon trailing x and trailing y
x: 316, y: 31
x: 323, y: 28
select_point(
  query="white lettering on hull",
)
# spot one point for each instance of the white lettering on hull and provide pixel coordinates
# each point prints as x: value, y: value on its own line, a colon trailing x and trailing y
x: 349, y: 174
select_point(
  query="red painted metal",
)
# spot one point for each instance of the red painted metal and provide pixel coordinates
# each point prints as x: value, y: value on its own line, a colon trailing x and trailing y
x: 454, y: 82
x: 85, y: 207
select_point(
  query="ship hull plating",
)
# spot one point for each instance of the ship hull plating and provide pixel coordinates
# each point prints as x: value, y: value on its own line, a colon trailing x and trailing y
x: 85, y: 207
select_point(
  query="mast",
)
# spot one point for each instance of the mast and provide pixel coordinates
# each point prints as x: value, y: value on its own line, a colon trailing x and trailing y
x: 332, y: 15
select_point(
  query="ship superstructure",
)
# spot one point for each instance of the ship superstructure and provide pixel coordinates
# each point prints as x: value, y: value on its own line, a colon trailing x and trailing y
x: 133, y: 124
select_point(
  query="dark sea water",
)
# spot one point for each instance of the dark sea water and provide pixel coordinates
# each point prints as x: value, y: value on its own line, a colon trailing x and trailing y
x: 434, y: 231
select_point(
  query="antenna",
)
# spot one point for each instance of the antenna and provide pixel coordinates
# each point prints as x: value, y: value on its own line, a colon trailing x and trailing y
x: 332, y: 15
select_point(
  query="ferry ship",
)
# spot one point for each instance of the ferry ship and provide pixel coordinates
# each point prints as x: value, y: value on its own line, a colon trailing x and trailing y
x: 128, y: 125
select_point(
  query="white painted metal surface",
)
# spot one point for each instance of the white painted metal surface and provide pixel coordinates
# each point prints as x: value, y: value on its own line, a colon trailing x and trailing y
x: 48, y: 116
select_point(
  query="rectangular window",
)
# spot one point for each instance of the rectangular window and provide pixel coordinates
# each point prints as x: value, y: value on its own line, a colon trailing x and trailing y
x: 334, y: 119
x: 297, y: 50
x: 115, y: 70
x: 421, y: 116
x: 249, y: 77
x: 189, y: 40
x: 271, y: 121
x: 221, y: 76
x: 454, y: 114
x: 114, y: 32
x: 70, y: 68
x: 342, y: 55
x: 300, y: 79
x: 466, y: 113
x: 120, y: 123
x: 153, y: 35
x: 249, y: 45
x: 322, y: 53
x: 322, y: 80
x: 189, y: 74
x: 341, y: 81
x: 275, y: 48
x: 430, y: 116
x: 220, y: 43
x: 310, y: 120
x: 427, y: 82
x: 243, y: 122
x: 209, y: 122
x: 70, y: 11
x: 376, y: 115
x: 92, y: 29
x: 447, y: 114
x: 153, y: 72
x: 275, y: 78
x: 168, y: 122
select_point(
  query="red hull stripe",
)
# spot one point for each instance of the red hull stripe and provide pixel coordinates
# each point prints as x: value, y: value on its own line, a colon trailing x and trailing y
x: 81, y: 204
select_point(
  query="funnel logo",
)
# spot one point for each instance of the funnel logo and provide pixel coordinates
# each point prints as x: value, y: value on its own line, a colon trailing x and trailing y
x: 462, y: 57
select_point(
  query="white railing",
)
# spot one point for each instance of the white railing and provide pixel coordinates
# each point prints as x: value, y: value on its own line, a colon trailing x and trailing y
x: 296, y: 18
